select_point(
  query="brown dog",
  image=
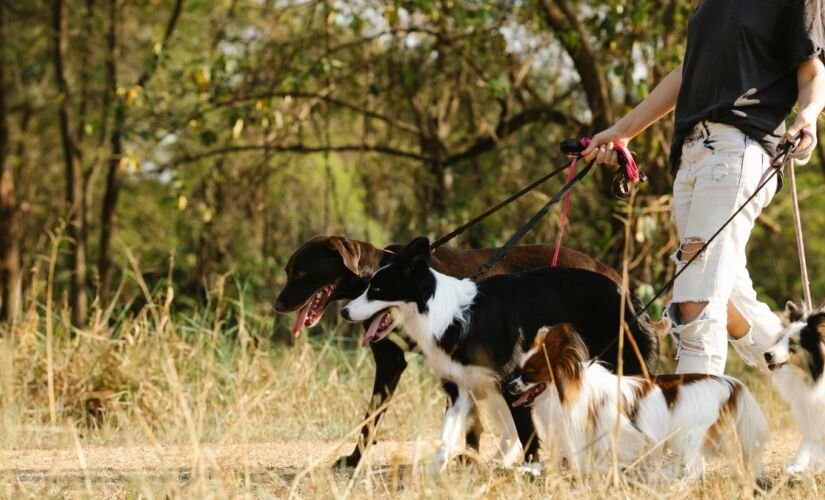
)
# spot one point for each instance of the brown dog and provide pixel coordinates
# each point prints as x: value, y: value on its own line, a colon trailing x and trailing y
x: 330, y: 268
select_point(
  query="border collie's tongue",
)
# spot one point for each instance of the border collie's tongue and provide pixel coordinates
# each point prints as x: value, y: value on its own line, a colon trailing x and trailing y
x: 522, y: 399
x: 374, y: 328
x: 302, y: 318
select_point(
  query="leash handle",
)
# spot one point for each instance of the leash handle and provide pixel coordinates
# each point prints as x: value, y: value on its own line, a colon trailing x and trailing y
x: 627, y: 161
x: 627, y: 173
x: 798, y: 155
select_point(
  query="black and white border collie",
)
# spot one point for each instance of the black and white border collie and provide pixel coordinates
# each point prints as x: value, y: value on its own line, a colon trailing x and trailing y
x: 474, y: 334
x: 796, y: 363
x: 577, y: 409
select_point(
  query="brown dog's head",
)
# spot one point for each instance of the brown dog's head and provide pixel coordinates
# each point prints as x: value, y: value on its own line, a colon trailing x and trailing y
x: 323, y: 269
x: 557, y: 356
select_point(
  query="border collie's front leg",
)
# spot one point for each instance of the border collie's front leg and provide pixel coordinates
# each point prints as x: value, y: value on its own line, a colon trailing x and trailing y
x: 389, y: 365
x: 475, y: 429
x: 456, y: 423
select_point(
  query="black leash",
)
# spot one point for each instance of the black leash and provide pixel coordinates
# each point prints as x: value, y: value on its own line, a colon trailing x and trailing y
x: 502, y: 252
x: 783, y: 154
x: 467, y: 225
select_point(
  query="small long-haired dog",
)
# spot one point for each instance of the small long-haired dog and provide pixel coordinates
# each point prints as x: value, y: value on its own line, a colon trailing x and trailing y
x: 796, y: 363
x: 577, y: 402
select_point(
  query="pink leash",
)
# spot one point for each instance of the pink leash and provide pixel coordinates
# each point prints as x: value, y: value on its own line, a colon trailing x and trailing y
x: 631, y: 169
x: 570, y: 174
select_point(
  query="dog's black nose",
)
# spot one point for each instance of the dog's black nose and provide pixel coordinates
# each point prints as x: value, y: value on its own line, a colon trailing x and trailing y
x: 768, y: 357
x: 345, y: 313
x: 279, y: 305
x: 513, y: 387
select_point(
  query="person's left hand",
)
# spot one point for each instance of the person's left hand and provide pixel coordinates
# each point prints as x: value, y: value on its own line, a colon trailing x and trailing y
x: 805, y: 121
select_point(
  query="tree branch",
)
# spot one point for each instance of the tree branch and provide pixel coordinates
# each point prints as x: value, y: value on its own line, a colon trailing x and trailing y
x: 297, y: 148
x: 149, y: 71
x: 559, y: 15
x: 509, y: 127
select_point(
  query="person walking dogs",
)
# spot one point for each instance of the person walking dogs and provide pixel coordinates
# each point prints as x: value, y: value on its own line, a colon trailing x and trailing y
x: 745, y: 66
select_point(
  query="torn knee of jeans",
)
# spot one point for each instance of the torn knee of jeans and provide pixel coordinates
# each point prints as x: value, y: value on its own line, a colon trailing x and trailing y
x: 689, y: 248
x: 674, y: 313
x: 684, y: 334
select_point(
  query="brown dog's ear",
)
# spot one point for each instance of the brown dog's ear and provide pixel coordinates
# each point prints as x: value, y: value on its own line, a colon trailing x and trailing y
x: 349, y: 250
x: 793, y: 311
x: 541, y: 336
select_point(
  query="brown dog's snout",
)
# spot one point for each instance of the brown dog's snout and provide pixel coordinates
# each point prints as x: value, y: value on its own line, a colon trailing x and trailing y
x: 513, y: 387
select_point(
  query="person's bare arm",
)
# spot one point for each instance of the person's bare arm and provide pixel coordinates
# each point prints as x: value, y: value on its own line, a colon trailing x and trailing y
x: 656, y: 105
x: 810, y: 77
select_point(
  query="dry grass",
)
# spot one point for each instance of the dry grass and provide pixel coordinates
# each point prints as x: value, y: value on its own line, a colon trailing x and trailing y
x: 154, y: 403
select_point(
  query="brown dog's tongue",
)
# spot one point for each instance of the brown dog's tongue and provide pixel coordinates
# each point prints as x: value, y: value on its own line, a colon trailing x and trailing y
x: 375, y: 326
x: 522, y: 399
x: 302, y: 318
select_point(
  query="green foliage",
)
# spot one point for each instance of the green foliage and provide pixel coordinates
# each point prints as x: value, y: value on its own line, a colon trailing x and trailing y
x: 262, y: 124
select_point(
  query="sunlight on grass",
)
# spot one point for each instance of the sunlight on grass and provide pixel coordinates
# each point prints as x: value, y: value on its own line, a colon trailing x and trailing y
x: 150, y: 402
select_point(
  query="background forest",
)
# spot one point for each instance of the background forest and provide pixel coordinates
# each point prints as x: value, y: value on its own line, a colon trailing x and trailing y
x: 211, y: 138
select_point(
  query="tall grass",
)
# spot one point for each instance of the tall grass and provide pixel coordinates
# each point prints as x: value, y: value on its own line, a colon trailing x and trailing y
x: 149, y: 401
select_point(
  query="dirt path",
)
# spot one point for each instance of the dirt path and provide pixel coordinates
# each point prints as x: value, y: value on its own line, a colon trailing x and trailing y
x: 284, y: 458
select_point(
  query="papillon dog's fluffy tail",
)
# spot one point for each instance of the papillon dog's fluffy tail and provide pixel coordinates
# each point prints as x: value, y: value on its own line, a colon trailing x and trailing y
x: 752, y: 432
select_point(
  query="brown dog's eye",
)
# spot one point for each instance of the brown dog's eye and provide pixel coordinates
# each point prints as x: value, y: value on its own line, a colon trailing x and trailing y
x: 300, y: 274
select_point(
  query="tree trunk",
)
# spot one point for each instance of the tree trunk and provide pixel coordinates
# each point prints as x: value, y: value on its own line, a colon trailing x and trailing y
x: 74, y: 180
x: 9, y: 224
x: 113, y: 180
x: 110, y: 196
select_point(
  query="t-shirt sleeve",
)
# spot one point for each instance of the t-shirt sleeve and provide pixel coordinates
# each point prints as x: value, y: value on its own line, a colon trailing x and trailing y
x: 807, y: 30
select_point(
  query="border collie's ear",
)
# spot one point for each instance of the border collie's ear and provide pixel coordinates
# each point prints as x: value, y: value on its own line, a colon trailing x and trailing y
x: 793, y: 312
x: 350, y: 252
x: 416, y: 253
x: 819, y: 326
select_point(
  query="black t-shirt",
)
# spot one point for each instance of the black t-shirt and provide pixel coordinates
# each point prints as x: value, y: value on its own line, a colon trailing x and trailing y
x: 740, y: 66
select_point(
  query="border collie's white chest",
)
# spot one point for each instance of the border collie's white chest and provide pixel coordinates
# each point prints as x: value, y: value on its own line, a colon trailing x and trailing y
x: 450, y: 302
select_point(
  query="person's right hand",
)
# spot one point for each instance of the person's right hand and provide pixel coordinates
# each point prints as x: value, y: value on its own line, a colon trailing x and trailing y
x: 601, y: 146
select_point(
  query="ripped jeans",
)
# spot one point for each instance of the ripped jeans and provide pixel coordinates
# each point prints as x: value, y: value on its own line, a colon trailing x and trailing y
x: 721, y: 167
